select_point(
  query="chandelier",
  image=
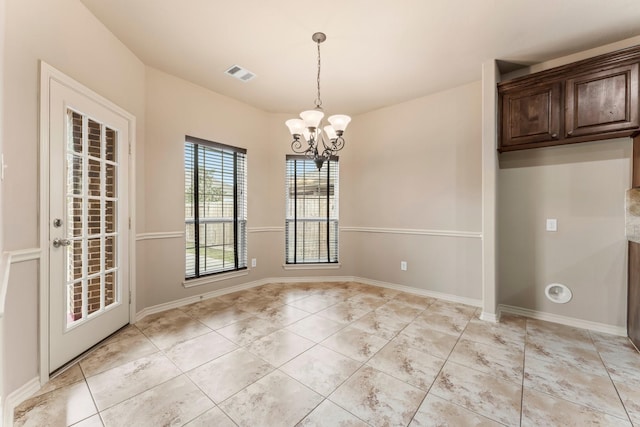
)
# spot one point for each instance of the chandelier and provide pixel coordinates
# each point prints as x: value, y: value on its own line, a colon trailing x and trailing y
x: 307, y: 131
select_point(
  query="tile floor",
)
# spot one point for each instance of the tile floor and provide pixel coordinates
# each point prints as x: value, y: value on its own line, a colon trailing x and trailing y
x: 342, y: 354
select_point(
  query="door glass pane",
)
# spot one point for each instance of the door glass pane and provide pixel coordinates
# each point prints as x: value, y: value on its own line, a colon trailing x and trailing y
x: 74, y: 174
x: 110, y: 180
x: 93, y: 175
x: 74, y: 217
x: 93, y: 216
x: 93, y: 256
x: 95, y: 130
x: 93, y: 296
x: 110, y: 144
x: 109, y: 288
x: 109, y: 217
x: 74, y: 126
x: 92, y: 269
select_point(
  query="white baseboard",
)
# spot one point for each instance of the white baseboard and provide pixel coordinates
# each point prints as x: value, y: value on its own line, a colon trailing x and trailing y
x: 16, y: 398
x: 565, y: 320
x: 422, y: 292
x: 490, y: 317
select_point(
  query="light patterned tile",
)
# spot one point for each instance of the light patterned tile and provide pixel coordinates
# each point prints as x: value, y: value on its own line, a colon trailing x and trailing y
x: 330, y: 414
x: 606, y: 343
x: 452, y: 324
x: 275, y: 400
x: 482, y: 393
x: 69, y: 376
x: 412, y: 300
x: 240, y: 297
x: 120, y: 383
x: 407, y: 364
x: 315, y: 303
x: 400, y: 311
x: 354, y: 343
x: 229, y: 374
x: 93, y: 421
x: 170, y: 327
x: 202, y: 308
x: 579, y: 356
x: 561, y: 333
x: 115, y: 353
x: 380, y: 324
x: 344, y: 312
x: 196, y: 351
x: 220, y: 318
x: 496, y: 334
x: 452, y: 308
x: 315, y: 328
x: 378, y: 398
x: 630, y: 395
x: 503, y: 362
x: 214, y: 417
x: 367, y: 300
x: 174, y: 402
x: 574, y: 385
x: 437, y: 412
x: 540, y: 409
x: 283, y: 315
x: 425, y: 339
x: 279, y: 347
x: 259, y: 305
x: 61, y: 407
x: 321, y: 369
x: 246, y: 331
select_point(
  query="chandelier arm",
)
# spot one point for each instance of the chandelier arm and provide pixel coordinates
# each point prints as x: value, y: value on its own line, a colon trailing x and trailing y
x: 296, y: 146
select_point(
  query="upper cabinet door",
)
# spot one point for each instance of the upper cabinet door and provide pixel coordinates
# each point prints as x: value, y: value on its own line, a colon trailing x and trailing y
x: 602, y: 102
x: 531, y: 115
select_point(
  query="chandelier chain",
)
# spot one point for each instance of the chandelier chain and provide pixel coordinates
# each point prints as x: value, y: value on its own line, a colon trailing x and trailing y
x: 318, y: 101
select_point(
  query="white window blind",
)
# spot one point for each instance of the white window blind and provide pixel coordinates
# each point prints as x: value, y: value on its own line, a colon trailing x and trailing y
x: 215, y: 207
x: 312, y: 211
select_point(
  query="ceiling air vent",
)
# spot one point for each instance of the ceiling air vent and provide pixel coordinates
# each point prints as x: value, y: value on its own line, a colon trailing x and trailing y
x: 240, y: 73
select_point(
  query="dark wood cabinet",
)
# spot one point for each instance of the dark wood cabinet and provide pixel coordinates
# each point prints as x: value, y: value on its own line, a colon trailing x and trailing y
x: 593, y: 99
x: 532, y: 115
x: 603, y: 101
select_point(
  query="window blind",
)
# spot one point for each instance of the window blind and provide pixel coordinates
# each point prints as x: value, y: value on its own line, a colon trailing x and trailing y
x: 215, y: 207
x: 311, y: 230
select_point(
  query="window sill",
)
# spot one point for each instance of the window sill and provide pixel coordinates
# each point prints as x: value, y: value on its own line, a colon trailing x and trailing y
x: 320, y: 266
x: 214, y: 278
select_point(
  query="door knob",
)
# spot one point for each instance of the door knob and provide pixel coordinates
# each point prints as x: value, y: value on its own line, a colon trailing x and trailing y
x: 61, y: 242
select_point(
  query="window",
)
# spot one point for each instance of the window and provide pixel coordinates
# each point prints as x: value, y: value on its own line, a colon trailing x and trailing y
x: 312, y: 211
x: 215, y: 207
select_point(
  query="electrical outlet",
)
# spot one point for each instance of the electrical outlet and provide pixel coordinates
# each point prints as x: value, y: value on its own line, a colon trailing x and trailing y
x: 403, y: 265
x: 552, y: 224
x: 253, y: 262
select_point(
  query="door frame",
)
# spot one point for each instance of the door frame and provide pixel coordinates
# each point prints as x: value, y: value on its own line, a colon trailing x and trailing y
x: 48, y: 74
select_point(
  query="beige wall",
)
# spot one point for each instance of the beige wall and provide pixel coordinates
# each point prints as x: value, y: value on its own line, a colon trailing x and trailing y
x: 66, y: 35
x: 583, y: 187
x: 416, y: 166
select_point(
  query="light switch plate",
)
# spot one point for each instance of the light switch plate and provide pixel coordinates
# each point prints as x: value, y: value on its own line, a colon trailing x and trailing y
x: 552, y: 224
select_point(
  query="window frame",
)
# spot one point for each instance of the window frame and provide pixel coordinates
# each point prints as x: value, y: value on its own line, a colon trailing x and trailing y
x: 331, y: 246
x: 239, y: 219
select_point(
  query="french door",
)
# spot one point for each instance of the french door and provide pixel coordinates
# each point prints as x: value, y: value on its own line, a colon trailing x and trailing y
x: 88, y: 222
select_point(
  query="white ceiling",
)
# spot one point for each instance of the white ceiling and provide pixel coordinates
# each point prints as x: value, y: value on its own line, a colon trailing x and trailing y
x: 377, y: 53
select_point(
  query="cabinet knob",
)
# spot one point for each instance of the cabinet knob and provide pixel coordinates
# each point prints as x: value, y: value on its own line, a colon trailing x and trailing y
x: 570, y: 132
x: 554, y: 135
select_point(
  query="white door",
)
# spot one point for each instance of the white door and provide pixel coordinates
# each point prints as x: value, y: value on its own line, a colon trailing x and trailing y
x: 88, y: 223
